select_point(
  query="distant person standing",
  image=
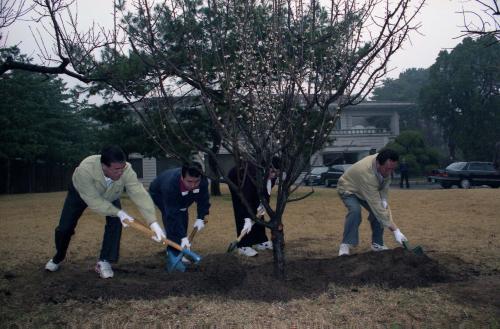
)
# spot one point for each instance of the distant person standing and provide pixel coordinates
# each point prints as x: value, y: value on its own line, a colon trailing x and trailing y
x: 97, y: 183
x: 403, y: 170
x: 496, y: 158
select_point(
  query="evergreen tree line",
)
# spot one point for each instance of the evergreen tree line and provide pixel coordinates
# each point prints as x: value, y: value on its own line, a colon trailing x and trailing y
x: 456, y: 118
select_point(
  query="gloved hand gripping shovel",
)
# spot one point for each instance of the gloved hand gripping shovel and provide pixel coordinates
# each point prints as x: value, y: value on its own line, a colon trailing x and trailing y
x: 416, y: 250
x: 174, y: 262
x: 194, y: 231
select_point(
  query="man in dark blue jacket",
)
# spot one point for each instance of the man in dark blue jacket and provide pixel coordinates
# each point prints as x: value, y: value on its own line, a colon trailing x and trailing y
x: 173, y: 192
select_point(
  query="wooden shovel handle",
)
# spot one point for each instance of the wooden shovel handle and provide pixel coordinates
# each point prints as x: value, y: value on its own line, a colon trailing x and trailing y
x: 194, y: 231
x: 140, y: 227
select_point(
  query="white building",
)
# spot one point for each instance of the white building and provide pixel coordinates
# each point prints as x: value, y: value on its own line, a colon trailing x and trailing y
x: 362, y: 129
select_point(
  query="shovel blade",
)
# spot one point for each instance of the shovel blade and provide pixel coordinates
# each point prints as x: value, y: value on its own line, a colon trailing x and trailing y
x: 418, y: 250
x: 194, y: 257
x: 232, y: 246
x: 174, y: 263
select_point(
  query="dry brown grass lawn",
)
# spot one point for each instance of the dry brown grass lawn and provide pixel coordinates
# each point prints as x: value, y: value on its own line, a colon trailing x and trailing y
x: 459, y: 229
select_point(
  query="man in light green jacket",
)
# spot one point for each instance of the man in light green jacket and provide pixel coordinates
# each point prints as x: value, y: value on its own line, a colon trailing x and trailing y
x: 97, y: 183
x: 366, y: 183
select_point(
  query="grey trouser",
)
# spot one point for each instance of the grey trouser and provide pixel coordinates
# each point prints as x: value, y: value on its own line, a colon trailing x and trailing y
x: 353, y: 220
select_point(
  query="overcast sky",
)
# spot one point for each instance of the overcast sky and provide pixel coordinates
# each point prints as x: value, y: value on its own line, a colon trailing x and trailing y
x: 441, y: 24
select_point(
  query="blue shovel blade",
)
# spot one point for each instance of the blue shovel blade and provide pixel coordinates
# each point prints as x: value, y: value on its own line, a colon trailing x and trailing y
x: 195, y: 258
x: 174, y: 263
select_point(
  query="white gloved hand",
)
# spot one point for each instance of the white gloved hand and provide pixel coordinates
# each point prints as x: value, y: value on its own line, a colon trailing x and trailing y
x: 261, y: 210
x: 158, y: 231
x: 185, y: 244
x: 248, y: 226
x: 124, y: 217
x: 385, y: 204
x: 199, y: 224
x: 399, y: 236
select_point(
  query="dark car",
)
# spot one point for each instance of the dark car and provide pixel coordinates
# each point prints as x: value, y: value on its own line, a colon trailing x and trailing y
x: 314, y: 176
x: 331, y: 177
x: 467, y: 174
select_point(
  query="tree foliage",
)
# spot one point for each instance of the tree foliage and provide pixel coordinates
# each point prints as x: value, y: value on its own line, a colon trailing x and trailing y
x: 462, y: 95
x: 420, y: 158
x: 406, y: 88
x: 37, y: 118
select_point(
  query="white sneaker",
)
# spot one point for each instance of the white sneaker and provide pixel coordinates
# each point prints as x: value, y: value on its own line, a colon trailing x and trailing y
x: 247, y: 251
x: 103, y: 268
x: 51, y: 266
x: 377, y: 247
x: 344, y: 249
x: 268, y: 245
x: 185, y: 261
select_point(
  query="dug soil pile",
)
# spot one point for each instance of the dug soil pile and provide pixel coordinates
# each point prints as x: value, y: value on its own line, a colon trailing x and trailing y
x: 224, y: 275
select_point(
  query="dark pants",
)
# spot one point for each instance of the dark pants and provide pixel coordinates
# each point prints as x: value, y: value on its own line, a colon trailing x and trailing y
x: 257, y: 234
x: 404, y: 177
x: 71, y: 213
x: 176, y: 226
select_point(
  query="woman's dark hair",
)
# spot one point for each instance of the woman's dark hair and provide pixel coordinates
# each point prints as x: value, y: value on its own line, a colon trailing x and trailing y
x: 193, y: 169
x: 112, y: 153
x: 387, y: 154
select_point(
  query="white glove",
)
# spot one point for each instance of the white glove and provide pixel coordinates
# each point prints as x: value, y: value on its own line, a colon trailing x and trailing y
x: 199, y: 224
x: 159, y: 234
x: 399, y: 236
x: 385, y: 204
x: 261, y: 210
x: 248, y: 226
x: 124, y: 217
x: 185, y: 244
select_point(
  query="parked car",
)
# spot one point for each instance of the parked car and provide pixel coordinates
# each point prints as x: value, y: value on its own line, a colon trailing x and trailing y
x: 314, y: 177
x: 331, y: 177
x: 467, y: 174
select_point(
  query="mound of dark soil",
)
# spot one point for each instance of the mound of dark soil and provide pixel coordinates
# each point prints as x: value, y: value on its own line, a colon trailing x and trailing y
x: 224, y: 275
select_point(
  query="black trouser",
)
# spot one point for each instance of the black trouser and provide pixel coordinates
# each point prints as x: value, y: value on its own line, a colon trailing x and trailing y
x: 404, y: 177
x: 71, y: 213
x: 175, y: 224
x: 257, y: 234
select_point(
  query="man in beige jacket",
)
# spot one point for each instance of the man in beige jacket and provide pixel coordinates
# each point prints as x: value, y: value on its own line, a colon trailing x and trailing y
x: 366, y: 183
x: 97, y: 183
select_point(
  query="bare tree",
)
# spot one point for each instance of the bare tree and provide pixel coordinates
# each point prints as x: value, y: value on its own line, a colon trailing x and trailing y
x: 11, y: 11
x: 484, y: 21
x: 267, y: 77
x: 69, y: 51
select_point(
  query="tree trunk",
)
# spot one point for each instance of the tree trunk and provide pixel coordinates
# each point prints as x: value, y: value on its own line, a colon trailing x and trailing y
x: 212, y: 163
x: 7, y: 180
x: 215, y: 188
x: 278, y: 238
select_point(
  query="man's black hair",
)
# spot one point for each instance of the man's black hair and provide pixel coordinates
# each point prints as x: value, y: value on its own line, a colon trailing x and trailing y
x: 387, y: 154
x: 112, y: 153
x: 193, y: 169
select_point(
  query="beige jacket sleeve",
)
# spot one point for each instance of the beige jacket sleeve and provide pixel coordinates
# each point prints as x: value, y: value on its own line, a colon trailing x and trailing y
x: 139, y: 195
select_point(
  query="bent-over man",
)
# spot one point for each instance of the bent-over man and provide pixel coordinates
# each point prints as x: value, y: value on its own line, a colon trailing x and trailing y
x: 97, y: 183
x: 366, y: 184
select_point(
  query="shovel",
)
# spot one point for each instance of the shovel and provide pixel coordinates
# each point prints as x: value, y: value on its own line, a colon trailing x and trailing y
x: 416, y: 250
x: 174, y: 262
x: 234, y: 244
x: 194, y: 231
